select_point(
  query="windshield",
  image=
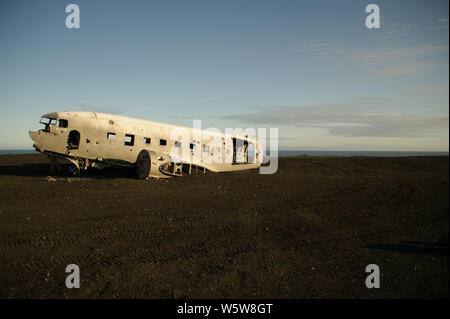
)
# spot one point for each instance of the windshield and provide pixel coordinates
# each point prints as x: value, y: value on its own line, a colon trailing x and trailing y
x: 46, y: 121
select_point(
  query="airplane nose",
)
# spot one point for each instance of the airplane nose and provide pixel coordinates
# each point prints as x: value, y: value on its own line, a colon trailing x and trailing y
x: 32, y: 135
x: 35, y: 137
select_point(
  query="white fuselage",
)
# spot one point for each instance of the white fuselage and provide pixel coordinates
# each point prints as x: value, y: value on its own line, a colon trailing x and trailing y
x: 113, y: 139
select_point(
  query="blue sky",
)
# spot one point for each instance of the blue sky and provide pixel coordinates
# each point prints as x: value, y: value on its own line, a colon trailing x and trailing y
x: 310, y: 68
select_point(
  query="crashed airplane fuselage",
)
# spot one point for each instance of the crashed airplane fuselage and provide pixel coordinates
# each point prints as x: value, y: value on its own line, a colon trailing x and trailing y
x: 91, y: 139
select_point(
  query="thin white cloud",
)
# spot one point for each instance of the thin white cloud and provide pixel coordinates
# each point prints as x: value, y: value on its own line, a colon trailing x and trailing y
x: 316, y: 43
x: 325, y: 46
x: 400, y: 61
x: 397, y: 54
x: 349, y: 120
x: 439, y: 27
x: 444, y: 89
x: 312, y: 45
x: 410, y: 27
x: 409, y: 68
x: 382, y: 62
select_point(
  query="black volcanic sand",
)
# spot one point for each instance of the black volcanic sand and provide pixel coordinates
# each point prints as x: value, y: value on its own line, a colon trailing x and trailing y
x: 308, y: 231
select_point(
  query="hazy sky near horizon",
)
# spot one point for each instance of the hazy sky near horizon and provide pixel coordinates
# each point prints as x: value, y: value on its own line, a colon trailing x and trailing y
x: 310, y: 68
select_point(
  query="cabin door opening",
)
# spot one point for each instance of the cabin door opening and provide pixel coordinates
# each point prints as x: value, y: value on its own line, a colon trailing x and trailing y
x: 73, y: 141
x: 241, y: 154
x: 244, y: 152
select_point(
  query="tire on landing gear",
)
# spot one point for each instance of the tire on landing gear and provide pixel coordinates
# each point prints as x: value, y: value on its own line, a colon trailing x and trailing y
x: 143, y: 165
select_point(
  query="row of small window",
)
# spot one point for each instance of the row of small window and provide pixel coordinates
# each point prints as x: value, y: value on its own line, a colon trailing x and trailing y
x: 129, y: 140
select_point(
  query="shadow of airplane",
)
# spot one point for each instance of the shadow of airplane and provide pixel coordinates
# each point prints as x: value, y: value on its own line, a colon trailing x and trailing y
x: 31, y: 169
x: 43, y: 170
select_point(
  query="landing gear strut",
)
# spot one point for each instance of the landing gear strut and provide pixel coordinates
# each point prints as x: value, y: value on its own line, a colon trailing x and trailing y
x: 80, y: 164
x: 55, y: 168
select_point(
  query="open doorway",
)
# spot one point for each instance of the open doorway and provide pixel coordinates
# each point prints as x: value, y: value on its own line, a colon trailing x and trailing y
x: 73, y: 141
x: 243, y: 152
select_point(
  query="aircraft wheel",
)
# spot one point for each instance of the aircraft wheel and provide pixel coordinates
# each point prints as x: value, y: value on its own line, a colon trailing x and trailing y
x: 143, y: 165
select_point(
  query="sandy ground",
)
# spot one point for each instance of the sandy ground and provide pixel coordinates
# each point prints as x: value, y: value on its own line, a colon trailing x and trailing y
x: 308, y: 231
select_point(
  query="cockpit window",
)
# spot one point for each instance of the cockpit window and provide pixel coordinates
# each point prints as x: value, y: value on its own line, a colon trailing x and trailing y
x: 63, y: 123
x: 47, y: 122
